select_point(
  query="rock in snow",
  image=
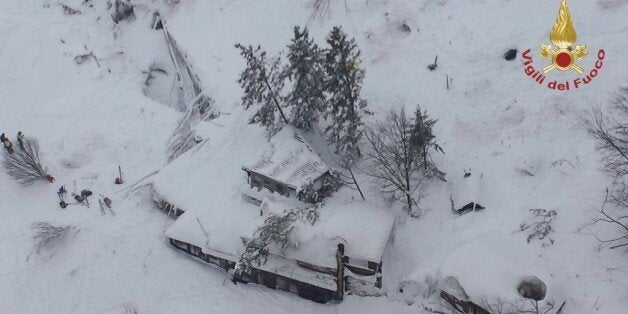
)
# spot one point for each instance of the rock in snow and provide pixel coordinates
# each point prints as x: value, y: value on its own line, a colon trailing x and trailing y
x: 510, y: 54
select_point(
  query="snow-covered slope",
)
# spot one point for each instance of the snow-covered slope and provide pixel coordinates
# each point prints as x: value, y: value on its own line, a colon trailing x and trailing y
x: 90, y: 118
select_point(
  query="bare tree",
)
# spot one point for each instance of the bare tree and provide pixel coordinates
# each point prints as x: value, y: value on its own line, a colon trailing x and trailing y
x: 612, y: 217
x: 610, y: 129
x: 24, y: 165
x: 611, y: 132
x: 394, y: 162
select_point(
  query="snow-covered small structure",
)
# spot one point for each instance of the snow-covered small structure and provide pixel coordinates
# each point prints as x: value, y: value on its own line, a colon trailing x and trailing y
x: 467, y: 193
x: 290, y: 167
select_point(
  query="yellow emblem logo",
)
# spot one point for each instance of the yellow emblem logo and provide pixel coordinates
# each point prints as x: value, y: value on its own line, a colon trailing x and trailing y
x: 563, y: 36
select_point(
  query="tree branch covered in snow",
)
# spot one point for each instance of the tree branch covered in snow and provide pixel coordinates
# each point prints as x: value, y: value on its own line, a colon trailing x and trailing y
x: 276, y: 230
x: 540, y: 226
x: 499, y: 305
x: 46, y: 235
x: 608, y: 218
x: 23, y: 165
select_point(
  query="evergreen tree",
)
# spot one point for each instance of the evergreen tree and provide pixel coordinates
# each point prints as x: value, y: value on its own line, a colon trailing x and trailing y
x: 263, y: 82
x: 422, y: 139
x: 307, y: 97
x: 346, y: 108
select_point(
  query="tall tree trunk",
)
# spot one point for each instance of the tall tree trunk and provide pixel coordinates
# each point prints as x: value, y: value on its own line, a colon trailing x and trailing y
x: 409, y: 201
x: 275, y: 99
x: 408, y: 197
x: 355, y: 181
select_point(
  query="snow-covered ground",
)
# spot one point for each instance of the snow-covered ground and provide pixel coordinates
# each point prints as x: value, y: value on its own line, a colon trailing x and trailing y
x: 90, y: 118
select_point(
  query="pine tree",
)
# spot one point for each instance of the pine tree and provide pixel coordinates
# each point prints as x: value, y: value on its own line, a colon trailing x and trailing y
x: 263, y: 82
x: 346, y: 108
x: 422, y: 139
x: 307, y: 97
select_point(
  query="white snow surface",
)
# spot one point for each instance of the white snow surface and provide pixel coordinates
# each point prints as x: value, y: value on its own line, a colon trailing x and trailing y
x: 494, y: 119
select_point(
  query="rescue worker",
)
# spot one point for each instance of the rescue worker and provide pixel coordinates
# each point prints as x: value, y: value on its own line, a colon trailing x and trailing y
x: 8, y: 145
x: 61, y: 193
x: 20, y: 139
x: 85, y: 194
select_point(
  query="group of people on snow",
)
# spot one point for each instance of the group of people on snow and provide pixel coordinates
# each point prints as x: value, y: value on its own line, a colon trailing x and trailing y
x: 80, y: 199
x: 8, y: 145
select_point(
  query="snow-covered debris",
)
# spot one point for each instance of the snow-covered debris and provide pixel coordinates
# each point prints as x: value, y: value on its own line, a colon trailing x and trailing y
x: 467, y: 192
x: 123, y: 10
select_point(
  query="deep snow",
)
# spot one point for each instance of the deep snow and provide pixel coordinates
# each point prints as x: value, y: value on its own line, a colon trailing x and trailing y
x: 494, y: 120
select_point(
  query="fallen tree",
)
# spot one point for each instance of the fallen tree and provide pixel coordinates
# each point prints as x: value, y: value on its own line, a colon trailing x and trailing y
x: 24, y: 166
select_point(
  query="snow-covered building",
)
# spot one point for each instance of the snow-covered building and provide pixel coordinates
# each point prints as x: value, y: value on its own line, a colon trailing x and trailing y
x: 341, y: 250
x: 290, y: 167
x: 336, y: 250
